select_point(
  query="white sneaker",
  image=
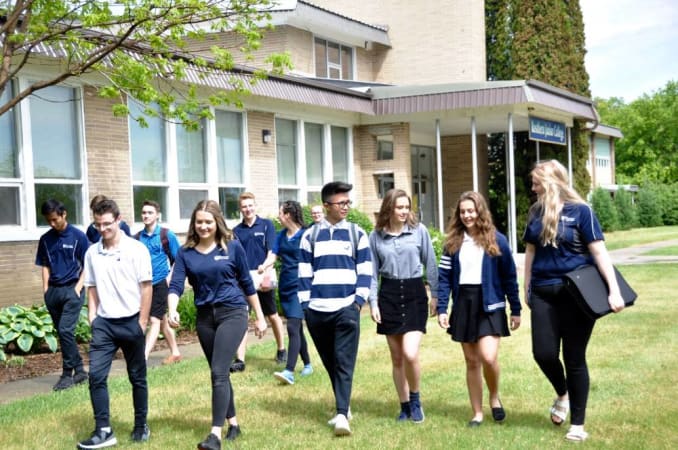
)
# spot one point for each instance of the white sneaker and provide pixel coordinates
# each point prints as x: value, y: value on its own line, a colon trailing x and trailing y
x: 341, y: 427
x: 333, y: 420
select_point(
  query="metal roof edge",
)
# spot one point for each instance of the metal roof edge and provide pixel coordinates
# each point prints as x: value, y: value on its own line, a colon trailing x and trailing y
x: 608, y: 130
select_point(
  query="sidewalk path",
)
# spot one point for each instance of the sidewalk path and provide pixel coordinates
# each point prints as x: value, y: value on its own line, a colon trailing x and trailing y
x: 14, y: 390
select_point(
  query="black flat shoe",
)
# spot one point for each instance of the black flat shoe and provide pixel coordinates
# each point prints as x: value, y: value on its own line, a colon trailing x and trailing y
x: 475, y: 423
x: 233, y: 432
x: 498, y: 414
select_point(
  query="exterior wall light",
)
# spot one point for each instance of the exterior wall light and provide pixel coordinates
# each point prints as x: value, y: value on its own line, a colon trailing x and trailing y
x: 266, y: 136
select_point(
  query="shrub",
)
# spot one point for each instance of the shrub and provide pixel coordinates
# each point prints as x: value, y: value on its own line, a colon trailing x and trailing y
x: 187, y: 311
x: 649, y: 209
x: 360, y: 218
x: 601, y: 203
x: 437, y: 239
x: 626, y: 210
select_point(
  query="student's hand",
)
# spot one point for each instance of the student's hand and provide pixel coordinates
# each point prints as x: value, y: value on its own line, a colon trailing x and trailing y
x: 260, y: 327
x: 442, y: 321
x: 515, y: 322
x: 376, y: 314
x: 173, y: 319
x: 433, y: 307
x: 261, y: 268
x: 616, y: 302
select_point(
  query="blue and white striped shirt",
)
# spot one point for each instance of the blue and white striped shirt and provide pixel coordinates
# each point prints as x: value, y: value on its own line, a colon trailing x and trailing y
x: 330, y: 278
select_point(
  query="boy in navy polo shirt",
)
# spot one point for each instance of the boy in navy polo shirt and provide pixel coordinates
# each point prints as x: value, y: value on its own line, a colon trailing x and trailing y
x: 257, y: 236
x: 61, y: 252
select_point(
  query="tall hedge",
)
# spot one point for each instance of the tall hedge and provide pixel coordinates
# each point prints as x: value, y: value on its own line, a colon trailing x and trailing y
x: 601, y: 202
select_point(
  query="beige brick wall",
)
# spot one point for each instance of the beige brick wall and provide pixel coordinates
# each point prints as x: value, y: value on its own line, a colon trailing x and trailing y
x: 365, y: 144
x: 20, y: 278
x: 434, y: 41
x: 263, y: 169
x: 458, y: 169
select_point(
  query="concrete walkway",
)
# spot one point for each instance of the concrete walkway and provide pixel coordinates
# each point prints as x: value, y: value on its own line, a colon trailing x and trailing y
x: 23, y: 388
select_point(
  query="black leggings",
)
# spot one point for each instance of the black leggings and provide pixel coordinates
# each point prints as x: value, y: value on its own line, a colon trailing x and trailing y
x: 220, y: 330
x: 555, y: 319
x: 297, y: 343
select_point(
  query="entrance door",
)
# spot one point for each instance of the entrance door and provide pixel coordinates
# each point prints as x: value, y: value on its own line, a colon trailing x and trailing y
x: 423, y: 184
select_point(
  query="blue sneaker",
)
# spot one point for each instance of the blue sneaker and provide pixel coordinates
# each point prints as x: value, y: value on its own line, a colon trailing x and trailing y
x: 417, y: 412
x: 307, y: 370
x: 285, y: 377
x: 403, y: 416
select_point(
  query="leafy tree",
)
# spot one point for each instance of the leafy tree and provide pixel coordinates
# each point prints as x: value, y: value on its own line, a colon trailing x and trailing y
x: 649, y: 149
x: 626, y: 210
x: 601, y: 202
x: 137, y: 46
x: 541, y: 40
x: 649, y: 209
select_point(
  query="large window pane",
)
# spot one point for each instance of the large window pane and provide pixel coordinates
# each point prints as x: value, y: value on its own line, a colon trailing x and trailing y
x: 228, y: 199
x: 346, y: 63
x: 68, y: 194
x: 191, y: 155
x: 288, y: 194
x: 54, y: 133
x: 8, y: 148
x: 320, y: 58
x: 333, y: 53
x: 188, y: 200
x: 340, y: 153
x: 155, y: 193
x: 286, y: 146
x: 229, y: 146
x: 9, y: 206
x: 313, y: 134
x: 148, y: 147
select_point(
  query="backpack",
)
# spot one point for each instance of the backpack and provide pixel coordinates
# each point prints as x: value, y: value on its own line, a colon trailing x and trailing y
x: 353, y: 235
x: 164, y: 241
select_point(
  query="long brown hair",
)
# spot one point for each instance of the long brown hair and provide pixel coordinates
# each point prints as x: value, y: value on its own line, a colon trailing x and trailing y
x: 388, y: 205
x: 484, y: 230
x: 223, y: 234
x: 552, y: 177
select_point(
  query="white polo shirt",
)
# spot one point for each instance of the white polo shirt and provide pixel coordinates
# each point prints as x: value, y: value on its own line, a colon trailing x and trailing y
x: 117, y: 273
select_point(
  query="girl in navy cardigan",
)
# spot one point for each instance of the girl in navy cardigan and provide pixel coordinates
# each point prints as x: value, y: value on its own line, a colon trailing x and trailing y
x: 477, y: 267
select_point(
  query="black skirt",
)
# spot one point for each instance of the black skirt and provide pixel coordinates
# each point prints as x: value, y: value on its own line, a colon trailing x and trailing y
x: 469, y: 320
x: 403, y: 305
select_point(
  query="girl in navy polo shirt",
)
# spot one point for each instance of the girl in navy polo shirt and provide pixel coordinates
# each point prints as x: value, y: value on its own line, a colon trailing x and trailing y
x: 562, y: 234
x: 216, y: 267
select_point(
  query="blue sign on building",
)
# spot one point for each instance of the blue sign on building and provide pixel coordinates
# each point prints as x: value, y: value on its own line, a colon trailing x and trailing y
x: 547, y: 131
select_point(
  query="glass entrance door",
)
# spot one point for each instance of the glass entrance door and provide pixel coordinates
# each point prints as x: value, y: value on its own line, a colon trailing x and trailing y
x: 423, y: 184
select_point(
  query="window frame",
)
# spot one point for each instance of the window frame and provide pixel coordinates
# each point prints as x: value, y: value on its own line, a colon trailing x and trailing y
x: 332, y: 65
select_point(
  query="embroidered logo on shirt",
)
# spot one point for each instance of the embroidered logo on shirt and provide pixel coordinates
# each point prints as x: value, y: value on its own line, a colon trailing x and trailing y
x: 220, y: 257
x: 67, y: 246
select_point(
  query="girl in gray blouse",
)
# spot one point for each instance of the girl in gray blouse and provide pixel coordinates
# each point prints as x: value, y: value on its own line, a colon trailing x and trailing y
x: 401, y: 252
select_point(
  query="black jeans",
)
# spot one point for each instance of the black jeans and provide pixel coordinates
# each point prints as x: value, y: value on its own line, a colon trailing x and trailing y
x: 556, y: 318
x: 220, y: 330
x: 297, y: 343
x: 336, y: 336
x: 108, y: 335
x: 64, y: 307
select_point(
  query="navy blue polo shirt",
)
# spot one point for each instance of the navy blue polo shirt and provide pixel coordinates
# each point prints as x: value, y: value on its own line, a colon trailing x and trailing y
x: 63, y: 253
x: 257, y: 240
x: 577, y: 228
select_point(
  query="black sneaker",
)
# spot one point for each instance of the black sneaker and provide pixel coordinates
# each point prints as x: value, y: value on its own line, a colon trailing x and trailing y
x: 281, y: 356
x: 233, y: 432
x: 211, y: 442
x: 141, y: 434
x: 80, y: 377
x: 237, y: 366
x: 65, y: 382
x: 99, y: 439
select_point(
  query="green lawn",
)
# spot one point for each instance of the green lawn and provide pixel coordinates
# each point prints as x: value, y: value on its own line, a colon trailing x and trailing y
x: 632, y: 357
x: 637, y: 236
x: 664, y: 251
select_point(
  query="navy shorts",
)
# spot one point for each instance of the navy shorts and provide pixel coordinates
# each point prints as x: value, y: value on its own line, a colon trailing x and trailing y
x: 159, y: 301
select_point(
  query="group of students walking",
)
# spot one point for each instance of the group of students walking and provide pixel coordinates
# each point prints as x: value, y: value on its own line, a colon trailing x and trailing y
x: 329, y: 271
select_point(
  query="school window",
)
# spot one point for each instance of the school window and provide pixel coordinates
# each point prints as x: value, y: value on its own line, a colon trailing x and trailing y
x: 230, y: 160
x: 384, y: 150
x: 340, y: 153
x: 385, y: 182
x: 191, y: 156
x: 49, y: 162
x: 286, y: 149
x: 333, y: 60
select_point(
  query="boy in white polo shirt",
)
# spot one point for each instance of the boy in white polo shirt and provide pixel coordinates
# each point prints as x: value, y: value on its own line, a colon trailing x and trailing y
x: 118, y: 278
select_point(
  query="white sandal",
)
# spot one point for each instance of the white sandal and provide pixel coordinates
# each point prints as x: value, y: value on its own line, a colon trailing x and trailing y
x: 560, y: 409
x: 576, y: 434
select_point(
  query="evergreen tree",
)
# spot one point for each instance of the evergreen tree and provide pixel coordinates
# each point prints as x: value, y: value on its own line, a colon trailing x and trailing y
x: 540, y: 40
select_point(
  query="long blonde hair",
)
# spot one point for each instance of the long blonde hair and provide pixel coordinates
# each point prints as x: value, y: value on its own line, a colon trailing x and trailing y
x: 552, y: 176
x: 222, y: 236
x: 485, y: 233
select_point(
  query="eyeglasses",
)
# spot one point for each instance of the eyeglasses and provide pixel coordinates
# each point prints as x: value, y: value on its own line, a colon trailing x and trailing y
x: 344, y: 204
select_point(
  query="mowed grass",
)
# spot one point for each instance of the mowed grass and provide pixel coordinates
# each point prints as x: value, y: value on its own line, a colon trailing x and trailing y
x: 638, y: 236
x: 664, y: 251
x: 632, y: 358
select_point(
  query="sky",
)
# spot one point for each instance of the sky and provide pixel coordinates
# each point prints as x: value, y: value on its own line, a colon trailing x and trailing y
x: 632, y: 46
